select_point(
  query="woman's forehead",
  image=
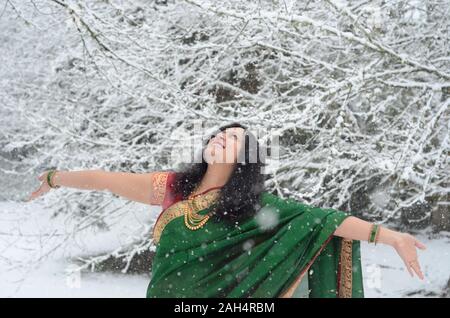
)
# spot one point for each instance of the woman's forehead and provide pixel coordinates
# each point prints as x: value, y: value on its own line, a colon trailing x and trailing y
x: 235, y: 129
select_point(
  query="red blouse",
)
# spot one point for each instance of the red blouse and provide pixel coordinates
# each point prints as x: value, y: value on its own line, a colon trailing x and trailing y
x: 169, y: 194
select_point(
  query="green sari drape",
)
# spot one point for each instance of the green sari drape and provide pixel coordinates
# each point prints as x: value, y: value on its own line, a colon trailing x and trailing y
x: 258, y: 258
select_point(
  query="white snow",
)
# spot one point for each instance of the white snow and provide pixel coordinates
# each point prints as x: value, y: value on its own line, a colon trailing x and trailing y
x: 385, y: 274
x: 27, y: 233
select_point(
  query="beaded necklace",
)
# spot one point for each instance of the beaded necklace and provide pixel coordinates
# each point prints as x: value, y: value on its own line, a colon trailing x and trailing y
x: 196, y: 203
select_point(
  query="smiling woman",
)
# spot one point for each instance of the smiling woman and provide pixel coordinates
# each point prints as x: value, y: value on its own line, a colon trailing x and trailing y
x: 222, y: 234
x: 213, y: 240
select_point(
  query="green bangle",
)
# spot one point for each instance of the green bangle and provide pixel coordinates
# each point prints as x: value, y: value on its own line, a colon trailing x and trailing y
x: 373, y: 233
x: 49, y: 177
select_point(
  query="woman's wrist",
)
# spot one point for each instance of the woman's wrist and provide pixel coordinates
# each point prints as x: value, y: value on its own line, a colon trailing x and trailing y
x: 387, y: 236
x: 56, y: 178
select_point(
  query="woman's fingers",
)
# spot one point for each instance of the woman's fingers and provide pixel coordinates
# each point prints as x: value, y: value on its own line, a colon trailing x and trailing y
x: 36, y: 193
x: 420, y: 245
x: 32, y: 196
x: 409, y: 269
x: 416, y: 266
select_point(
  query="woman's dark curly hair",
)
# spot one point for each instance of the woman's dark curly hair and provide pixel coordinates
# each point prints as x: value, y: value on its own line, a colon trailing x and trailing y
x: 239, y: 197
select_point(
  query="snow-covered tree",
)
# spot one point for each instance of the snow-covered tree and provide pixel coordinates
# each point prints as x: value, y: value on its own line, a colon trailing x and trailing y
x: 358, y: 91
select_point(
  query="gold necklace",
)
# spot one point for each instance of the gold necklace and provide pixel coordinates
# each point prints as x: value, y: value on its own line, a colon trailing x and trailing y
x: 195, y: 203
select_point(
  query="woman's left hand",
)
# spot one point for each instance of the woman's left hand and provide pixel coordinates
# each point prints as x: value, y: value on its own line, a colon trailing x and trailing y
x: 405, y: 245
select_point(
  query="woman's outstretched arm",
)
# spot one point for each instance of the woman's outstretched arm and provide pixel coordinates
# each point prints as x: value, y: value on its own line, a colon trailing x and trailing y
x: 133, y: 186
x: 405, y: 244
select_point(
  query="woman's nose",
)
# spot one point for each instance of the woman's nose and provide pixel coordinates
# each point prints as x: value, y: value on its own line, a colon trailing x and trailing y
x: 221, y: 137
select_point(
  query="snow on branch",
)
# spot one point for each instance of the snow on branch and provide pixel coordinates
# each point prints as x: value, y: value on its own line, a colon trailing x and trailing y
x: 358, y: 92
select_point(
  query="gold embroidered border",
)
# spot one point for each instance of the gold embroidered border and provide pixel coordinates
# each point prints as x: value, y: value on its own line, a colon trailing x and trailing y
x: 178, y: 209
x: 345, y: 284
x: 159, y: 187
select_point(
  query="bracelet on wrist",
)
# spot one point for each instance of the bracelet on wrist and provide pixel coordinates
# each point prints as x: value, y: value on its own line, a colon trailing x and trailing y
x: 378, y: 234
x: 373, y: 235
x: 50, y: 174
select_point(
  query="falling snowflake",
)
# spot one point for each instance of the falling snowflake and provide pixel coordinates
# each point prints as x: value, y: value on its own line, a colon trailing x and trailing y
x: 248, y: 245
x: 267, y: 218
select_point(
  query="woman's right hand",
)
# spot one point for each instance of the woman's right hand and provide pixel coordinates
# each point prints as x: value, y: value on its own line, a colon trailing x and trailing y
x: 43, y: 188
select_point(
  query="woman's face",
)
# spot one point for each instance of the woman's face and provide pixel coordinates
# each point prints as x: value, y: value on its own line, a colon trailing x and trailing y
x: 225, y: 146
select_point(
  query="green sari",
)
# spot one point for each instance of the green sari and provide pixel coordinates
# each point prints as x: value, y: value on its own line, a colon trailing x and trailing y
x: 258, y: 258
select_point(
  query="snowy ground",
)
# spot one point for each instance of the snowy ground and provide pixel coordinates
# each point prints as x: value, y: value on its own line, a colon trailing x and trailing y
x: 26, y: 233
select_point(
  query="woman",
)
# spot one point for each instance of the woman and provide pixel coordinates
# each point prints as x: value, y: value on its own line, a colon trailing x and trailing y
x: 220, y: 234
